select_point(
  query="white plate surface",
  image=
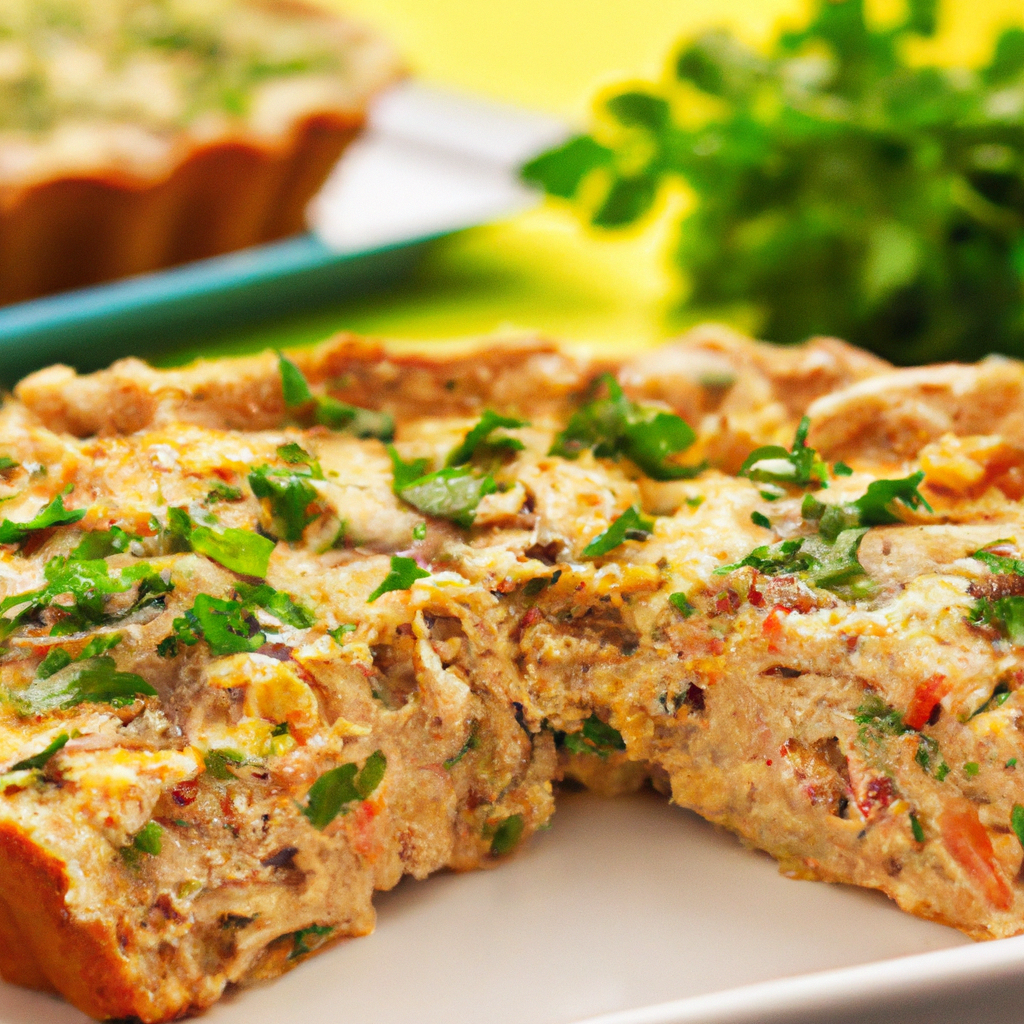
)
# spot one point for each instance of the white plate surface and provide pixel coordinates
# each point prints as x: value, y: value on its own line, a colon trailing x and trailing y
x: 634, y: 909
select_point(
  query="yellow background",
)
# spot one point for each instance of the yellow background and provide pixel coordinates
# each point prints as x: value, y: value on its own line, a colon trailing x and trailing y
x: 543, y: 270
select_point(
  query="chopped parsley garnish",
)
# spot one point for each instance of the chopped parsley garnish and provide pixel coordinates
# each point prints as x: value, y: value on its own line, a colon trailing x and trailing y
x: 999, y: 564
x: 331, y: 794
x: 472, y: 742
x: 148, y: 839
x: 295, y: 455
x: 227, y: 626
x: 299, y: 938
x: 451, y: 493
x: 38, y: 761
x: 217, y: 762
x: 800, y: 465
x: 481, y: 442
x: 596, y: 737
x: 541, y: 583
x: 881, y: 503
x: 102, y: 543
x: 278, y: 603
x: 57, y: 658
x: 93, y: 681
x: 7, y: 464
x: 330, y: 412
x: 1003, y: 614
x: 878, y: 719
x: 615, y: 426
x: 339, y: 632
x: 1000, y: 695
x: 419, y: 531
x: 223, y: 492
x: 760, y: 519
x: 682, y: 604
x: 289, y: 493
x: 971, y: 768
x: 842, y: 469
x: 507, y: 835
x: 53, y: 514
x: 403, y: 574
x: 1012, y: 763
x: 241, y: 551
x: 89, y: 583
x: 631, y: 525
x: 1017, y: 822
x: 916, y: 829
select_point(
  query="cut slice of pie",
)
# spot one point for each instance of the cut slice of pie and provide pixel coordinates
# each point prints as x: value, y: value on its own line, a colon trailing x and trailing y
x: 277, y: 632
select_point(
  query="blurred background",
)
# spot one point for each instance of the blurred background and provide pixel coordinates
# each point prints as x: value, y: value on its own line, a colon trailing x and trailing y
x: 544, y: 269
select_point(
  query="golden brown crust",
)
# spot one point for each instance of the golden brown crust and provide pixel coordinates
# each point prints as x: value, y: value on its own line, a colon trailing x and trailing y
x: 77, y: 230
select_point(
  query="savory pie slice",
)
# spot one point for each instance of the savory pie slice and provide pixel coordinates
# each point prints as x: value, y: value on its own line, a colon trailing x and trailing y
x: 277, y: 632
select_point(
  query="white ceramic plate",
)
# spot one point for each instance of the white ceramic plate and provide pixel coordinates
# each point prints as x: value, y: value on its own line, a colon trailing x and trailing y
x: 637, y: 910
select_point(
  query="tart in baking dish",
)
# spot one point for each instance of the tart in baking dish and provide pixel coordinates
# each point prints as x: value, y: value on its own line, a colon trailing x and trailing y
x: 136, y: 134
x: 277, y: 632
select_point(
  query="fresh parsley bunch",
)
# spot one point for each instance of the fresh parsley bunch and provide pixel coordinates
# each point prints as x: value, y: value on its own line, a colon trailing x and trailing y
x: 838, y: 188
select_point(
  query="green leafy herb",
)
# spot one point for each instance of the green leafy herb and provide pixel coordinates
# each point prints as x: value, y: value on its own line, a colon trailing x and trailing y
x: 842, y: 469
x: 481, y: 442
x: 279, y: 604
x: 1000, y: 695
x: 682, y: 604
x: 149, y: 839
x: 631, y: 525
x: 881, y: 503
x: 39, y: 760
x: 217, y: 762
x: 53, y: 514
x: 507, y: 835
x: 7, y: 464
x: 419, y: 531
x: 102, y: 543
x: 281, y: 729
x: 295, y: 455
x: 57, y: 658
x: 299, y: 938
x: 94, y: 681
x: 696, y: 501
x: 404, y: 573
x: 451, y: 493
x: 339, y: 632
x: 1000, y: 564
x: 615, y: 426
x: 223, y: 492
x: 335, y: 789
x: 596, y: 737
x: 929, y: 757
x: 1017, y: 822
x: 878, y: 719
x: 916, y: 829
x: 241, y: 551
x: 472, y: 742
x: 1012, y: 763
x: 290, y: 495
x: 329, y: 411
x: 800, y: 465
x: 1003, y: 614
x: 841, y: 185
x: 760, y: 519
x: 971, y: 768
x: 537, y: 586
x: 227, y: 626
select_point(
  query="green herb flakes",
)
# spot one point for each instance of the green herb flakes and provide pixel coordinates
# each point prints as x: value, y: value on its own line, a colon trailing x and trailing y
x: 507, y: 835
x: 799, y: 466
x: 38, y: 761
x: 760, y: 519
x: 1017, y: 822
x: 916, y: 828
x: 94, y: 681
x: 53, y: 514
x: 482, y: 442
x: 682, y: 604
x: 595, y: 737
x: 631, y: 525
x: 403, y: 574
x: 333, y: 791
x: 301, y: 938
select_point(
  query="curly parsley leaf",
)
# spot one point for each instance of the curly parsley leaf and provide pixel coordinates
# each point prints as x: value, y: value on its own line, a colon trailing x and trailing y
x: 227, y: 626
x: 800, y: 465
x: 480, y: 440
x: 329, y: 411
x: 53, y: 514
x: 333, y: 791
x: 631, y: 525
x: 615, y: 426
x: 595, y: 737
x: 95, y: 681
x: 38, y: 761
x: 403, y: 574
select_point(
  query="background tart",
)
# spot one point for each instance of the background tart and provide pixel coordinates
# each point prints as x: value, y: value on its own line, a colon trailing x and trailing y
x: 144, y: 133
